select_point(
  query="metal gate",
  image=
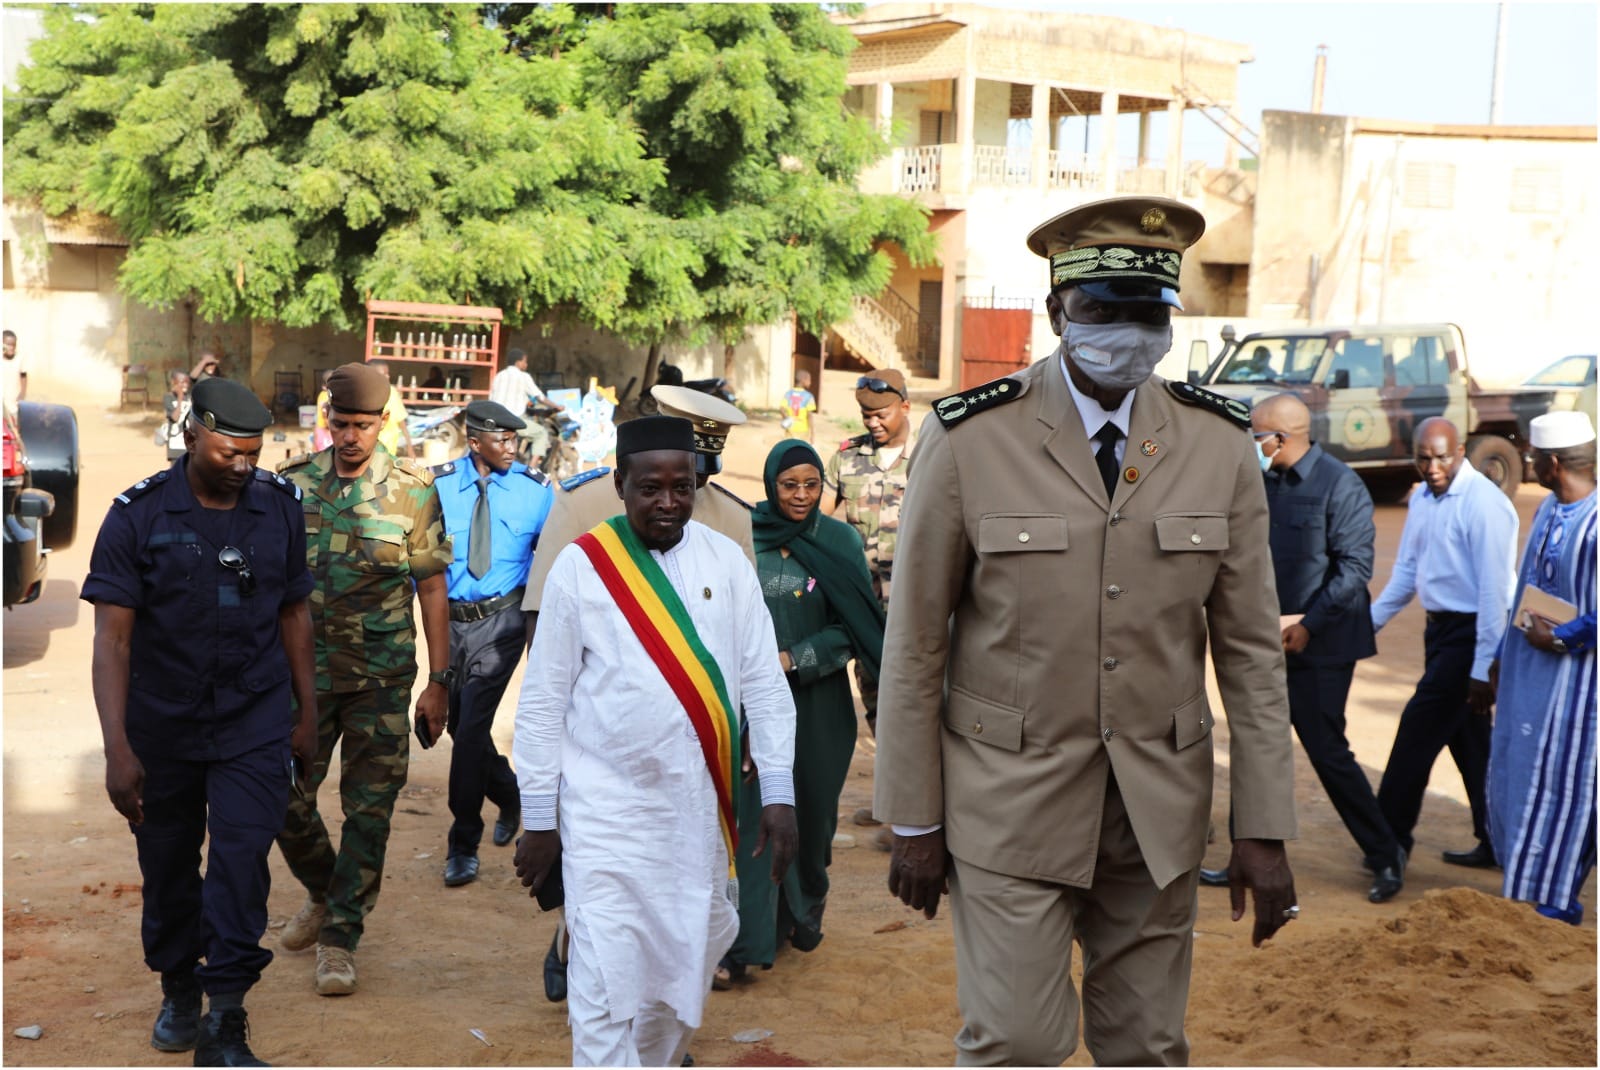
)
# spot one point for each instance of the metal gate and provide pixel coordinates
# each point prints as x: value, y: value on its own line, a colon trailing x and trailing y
x: 995, y: 338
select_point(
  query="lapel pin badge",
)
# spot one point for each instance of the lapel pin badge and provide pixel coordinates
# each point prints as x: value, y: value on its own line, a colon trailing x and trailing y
x: 1130, y: 474
x: 1148, y: 448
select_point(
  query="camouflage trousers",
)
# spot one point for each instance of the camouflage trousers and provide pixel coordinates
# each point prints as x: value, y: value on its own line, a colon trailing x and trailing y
x: 865, y: 682
x: 373, y: 730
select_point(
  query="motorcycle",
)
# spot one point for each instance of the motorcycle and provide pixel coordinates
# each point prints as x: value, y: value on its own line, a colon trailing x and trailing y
x: 672, y: 375
x: 560, y: 457
x: 438, y: 423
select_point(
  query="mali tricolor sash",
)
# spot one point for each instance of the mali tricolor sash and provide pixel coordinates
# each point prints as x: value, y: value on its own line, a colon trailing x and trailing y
x: 658, y: 617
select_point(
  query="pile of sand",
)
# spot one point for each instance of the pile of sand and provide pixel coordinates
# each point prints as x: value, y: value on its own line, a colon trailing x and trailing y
x: 1462, y: 978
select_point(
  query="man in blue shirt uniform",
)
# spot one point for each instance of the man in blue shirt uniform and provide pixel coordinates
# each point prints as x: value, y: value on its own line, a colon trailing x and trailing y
x: 494, y: 509
x: 202, y: 631
x: 1458, y: 557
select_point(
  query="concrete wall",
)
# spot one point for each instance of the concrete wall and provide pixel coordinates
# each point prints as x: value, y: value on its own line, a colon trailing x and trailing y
x: 991, y: 111
x: 1488, y: 228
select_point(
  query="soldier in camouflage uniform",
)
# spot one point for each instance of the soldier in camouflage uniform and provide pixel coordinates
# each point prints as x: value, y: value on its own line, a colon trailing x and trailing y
x: 868, y: 480
x: 373, y: 525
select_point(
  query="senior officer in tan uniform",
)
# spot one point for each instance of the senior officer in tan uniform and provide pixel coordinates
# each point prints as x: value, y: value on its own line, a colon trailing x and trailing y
x: 586, y: 499
x: 1044, y: 748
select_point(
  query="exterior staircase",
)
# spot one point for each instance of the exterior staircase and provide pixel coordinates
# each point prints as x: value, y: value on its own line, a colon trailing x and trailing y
x: 882, y: 332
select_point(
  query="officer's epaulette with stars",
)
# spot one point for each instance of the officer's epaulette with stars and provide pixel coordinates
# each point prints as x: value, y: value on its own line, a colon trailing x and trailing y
x: 422, y: 473
x: 537, y: 476
x: 296, y: 461
x: 737, y: 500
x: 1231, y: 409
x: 443, y: 469
x: 572, y: 483
x: 144, y: 486
x: 272, y: 479
x: 957, y: 407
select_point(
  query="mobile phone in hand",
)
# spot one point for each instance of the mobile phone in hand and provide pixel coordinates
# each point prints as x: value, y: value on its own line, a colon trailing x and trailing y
x: 296, y: 774
x: 424, y: 733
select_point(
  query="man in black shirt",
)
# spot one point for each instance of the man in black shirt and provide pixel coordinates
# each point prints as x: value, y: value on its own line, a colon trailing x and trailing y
x: 1322, y: 549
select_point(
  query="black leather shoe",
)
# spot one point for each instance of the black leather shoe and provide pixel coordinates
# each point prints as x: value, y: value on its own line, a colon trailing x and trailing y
x: 506, y: 826
x: 1480, y: 857
x: 1214, y: 878
x: 1388, y: 880
x: 177, y: 1027
x: 459, y: 870
x: 555, y: 973
x: 224, y: 1040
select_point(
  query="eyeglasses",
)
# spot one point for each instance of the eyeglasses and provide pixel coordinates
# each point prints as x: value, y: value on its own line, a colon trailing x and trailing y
x: 879, y: 386
x: 810, y: 486
x: 1260, y: 436
x: 230, y: 558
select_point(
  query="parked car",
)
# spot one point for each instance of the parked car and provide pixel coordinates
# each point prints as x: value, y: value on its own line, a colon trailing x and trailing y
x: 1572, y: 379
x: 41, y: 494
x: 1369, y: 387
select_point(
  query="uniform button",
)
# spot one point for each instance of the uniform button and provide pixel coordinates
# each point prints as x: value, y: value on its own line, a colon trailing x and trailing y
x: 1195, y: 538
x: 1108, y: 733
x: 1109, y: 663
x: 1116, y: 518
x: 977, y: 728
x: 1113, y: 591
x: 1023, y: 537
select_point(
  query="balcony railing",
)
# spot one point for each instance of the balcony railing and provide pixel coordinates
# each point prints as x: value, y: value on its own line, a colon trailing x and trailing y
x: 1072, y: 170
x: 919, y: 168
x: 995, y: 165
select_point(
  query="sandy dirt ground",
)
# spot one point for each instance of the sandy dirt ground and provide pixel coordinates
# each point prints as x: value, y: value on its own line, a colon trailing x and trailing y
x: 1445, y: 974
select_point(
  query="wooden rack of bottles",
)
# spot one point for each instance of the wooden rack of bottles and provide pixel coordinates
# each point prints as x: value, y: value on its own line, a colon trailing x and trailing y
x: 461, y: 341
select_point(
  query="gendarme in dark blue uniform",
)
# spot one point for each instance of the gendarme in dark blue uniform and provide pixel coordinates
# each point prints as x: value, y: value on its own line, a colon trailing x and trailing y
x: 494, y: 509
x: 188, y: 602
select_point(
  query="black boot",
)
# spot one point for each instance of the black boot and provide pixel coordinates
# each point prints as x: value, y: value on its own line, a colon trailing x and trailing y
x: 177, y: 1027
x: 224, y: 1040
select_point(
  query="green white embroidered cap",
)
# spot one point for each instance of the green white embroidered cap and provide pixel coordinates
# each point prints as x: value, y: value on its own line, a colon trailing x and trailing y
x: 1121, y: 248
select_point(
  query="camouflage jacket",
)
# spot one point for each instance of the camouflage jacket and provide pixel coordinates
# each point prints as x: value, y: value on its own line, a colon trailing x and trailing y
x: 367, y: 540
x: 872, y: 496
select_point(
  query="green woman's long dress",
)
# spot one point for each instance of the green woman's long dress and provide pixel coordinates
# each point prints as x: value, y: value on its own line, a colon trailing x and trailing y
x: 825, y: 739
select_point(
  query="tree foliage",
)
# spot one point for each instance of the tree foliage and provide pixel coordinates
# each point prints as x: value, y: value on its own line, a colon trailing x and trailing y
x: 659, y: 169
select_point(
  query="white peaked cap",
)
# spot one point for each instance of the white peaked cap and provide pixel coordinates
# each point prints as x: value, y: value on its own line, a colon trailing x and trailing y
x: 1558, y: 430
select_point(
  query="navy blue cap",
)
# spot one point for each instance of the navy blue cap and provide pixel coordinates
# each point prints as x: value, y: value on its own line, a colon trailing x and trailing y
x: 492, y: 416
x: 229, y: 408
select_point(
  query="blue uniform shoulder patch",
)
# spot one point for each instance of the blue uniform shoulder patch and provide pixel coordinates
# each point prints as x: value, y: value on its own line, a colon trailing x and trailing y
x: 537, y: 476
x: 957, y: 407
x: 443, y: 469
x: 272, y: 479
x: 1231, y: 409
x: 572, y: 483
x: 144, y: 486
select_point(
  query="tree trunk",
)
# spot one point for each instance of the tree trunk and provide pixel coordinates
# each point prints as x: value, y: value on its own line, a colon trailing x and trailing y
x: 727, y: 364
x: 652, y: 361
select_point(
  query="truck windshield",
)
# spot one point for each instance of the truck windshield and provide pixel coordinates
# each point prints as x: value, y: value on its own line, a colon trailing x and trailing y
x: 1273, y: 360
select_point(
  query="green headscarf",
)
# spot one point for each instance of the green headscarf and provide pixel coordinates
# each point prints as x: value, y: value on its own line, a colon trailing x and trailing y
x: 829, y: 550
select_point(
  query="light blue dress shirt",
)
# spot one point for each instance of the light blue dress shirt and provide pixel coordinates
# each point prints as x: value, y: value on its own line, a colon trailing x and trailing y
x: 1458, y: 554
x: 518, y: 506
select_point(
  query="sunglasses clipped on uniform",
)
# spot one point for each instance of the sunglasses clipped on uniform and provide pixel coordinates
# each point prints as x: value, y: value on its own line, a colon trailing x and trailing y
x: 879, y: 386
x: 230, y: 557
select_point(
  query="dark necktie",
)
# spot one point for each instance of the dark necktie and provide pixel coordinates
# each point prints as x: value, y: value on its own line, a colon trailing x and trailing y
x: 479, y: 550
x: 1106, y: 457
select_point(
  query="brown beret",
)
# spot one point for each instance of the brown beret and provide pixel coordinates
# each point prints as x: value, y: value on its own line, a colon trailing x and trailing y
x: 358, y: 388
x: 880, y: 388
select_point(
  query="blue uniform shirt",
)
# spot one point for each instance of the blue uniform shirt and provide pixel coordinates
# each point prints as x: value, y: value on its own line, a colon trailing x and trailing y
x: 207, y: 676
x: 519, y: 501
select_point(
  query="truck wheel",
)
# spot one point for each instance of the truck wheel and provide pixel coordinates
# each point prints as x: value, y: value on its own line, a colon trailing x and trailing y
x: 50, y: 433
x: 1498, y: 459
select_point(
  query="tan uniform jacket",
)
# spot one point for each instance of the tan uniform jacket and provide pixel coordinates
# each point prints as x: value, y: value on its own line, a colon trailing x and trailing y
x: 576, y: 511
x: 1038, y: 636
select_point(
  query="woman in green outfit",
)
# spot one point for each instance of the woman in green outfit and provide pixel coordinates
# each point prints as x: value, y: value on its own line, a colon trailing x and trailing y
x: 814, y: 575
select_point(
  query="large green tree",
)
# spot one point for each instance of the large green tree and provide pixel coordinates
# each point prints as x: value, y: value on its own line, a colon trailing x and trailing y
x: 284, y: 161
x: 742, y: 103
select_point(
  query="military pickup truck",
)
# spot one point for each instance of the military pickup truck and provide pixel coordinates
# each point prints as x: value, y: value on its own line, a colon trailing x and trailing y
x: 1369, y: 387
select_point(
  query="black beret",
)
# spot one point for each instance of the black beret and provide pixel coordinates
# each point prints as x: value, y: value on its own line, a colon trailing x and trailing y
x: 229, y: 408
x: 492, y: 416
x: 358, y: 388
x: 654, y: 433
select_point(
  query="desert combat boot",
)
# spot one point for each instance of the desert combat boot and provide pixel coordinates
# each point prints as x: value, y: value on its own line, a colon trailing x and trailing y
x: 304, y: 928
x: 336, y: 971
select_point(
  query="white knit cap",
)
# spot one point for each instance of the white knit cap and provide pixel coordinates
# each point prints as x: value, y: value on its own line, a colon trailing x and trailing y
x: 1558, y: 430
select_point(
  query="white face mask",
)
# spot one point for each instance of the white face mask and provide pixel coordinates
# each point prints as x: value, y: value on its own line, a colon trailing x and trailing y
x: 1117, y: 356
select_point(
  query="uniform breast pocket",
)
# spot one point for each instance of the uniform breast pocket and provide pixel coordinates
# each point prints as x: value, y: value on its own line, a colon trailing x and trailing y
x: 1299, y: 525
x: 1191, y: 547
x: 1010, y: 533
x: 380, y: 546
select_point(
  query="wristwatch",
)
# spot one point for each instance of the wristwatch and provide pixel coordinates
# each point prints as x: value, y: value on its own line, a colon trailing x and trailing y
x: 447, y: 678
x: 1558, y: 644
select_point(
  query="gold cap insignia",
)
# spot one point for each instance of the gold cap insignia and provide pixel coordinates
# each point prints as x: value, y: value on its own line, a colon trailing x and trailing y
x: 1152, y: 221
x: 710, y: 425
x: 209, y: 420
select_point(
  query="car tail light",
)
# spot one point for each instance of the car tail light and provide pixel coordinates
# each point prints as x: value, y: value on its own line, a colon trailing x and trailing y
x: 13, y: 453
